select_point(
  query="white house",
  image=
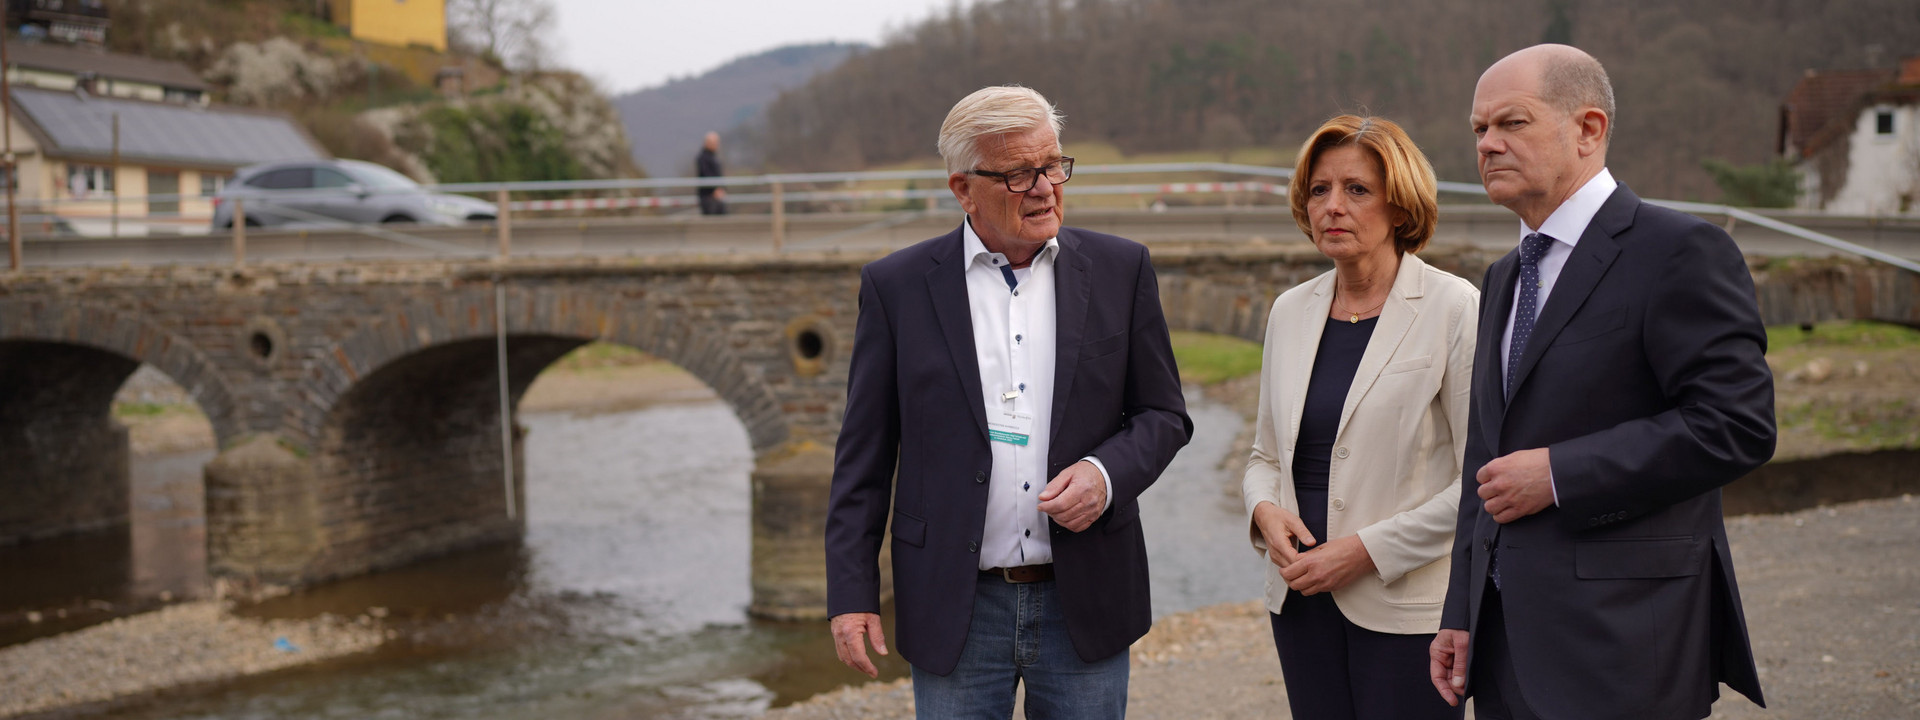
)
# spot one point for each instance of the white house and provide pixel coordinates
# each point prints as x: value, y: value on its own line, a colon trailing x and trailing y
x: 1854, y: 137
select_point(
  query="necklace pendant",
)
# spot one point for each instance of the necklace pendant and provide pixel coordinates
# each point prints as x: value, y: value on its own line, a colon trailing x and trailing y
x: 1354, y: 319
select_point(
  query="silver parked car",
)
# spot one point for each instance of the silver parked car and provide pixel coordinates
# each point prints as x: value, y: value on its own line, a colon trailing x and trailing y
x: 330, y: 191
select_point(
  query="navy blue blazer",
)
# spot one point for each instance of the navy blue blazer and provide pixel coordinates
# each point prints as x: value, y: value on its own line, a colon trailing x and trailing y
x: 914, y: 402
x: 1646, y: 378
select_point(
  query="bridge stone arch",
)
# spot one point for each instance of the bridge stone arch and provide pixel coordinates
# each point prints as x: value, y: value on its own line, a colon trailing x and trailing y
x: 543, y: 323
x: 60, y: 367
x: 132, y: 337
x: 392, y: 445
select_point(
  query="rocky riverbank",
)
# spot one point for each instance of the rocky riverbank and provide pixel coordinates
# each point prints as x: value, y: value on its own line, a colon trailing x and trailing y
x: 189, y: 644
x: 1830, y: 600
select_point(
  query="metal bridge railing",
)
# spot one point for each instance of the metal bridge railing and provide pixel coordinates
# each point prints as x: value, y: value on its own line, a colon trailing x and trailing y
x: 781, y: 193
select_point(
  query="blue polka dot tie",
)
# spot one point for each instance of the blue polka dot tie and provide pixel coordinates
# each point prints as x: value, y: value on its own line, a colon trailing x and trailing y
x: 1526, y: 307
x: 1526, y: 301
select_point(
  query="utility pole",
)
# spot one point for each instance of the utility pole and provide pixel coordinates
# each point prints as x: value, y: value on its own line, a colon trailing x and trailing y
x: 113, y: 177
x: 6, y: 119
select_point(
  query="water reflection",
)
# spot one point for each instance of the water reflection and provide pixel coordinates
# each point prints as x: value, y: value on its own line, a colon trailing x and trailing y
x: 77, y: 580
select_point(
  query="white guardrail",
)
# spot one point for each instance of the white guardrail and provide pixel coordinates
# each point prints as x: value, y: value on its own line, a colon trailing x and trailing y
x: 782, y: 194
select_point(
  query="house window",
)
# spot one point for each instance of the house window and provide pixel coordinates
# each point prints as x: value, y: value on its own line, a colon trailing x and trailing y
x: 1883, y: 122
x: 211, y: 184
x: 89, y: 180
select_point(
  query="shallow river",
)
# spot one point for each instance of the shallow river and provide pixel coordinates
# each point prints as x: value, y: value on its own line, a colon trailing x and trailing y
x: 628, y: 596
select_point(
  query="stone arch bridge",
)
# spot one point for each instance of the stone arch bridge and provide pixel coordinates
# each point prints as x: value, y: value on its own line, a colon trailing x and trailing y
x: 357, y: 405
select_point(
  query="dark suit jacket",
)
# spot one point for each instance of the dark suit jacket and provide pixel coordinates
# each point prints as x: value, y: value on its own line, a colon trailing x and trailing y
x: 706, y: 164
x: 1646, y: 379
x: 914, y: 397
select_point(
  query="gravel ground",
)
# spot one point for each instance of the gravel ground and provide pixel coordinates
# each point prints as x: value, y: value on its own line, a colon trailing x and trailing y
x: 1832, y: 600
x: 187, y: 644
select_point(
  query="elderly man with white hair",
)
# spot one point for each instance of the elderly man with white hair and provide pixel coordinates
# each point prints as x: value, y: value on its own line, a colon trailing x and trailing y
x: 1018, y: 377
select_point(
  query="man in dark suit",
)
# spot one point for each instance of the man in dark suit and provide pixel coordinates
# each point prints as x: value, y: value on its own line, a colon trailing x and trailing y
x: 1019, y: 376
x: 713, y: 198
x: 1620, y: 381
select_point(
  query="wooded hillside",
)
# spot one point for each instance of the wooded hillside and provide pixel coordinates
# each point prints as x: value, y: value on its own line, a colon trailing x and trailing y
x: 667, y: 123
x: 1696, y: 79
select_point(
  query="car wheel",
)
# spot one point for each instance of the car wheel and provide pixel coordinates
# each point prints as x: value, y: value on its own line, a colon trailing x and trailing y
x: 395, y: 218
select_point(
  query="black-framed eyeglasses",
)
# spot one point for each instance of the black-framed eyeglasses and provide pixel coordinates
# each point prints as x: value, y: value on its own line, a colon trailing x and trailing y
x: 1058, y: 172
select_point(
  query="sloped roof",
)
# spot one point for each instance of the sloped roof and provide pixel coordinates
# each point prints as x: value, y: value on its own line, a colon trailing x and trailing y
x: 1824, y: 98
x: 118, y: 66
x: 77, y: 125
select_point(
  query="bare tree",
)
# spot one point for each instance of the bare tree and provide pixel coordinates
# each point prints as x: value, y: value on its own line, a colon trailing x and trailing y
x: 513, y: 32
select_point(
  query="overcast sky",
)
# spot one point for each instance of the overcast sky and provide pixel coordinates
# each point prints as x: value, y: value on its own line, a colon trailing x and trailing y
x: 632, y: 44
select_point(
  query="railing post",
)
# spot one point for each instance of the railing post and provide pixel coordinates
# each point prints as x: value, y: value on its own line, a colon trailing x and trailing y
x: 503, y: 217
x: 239, y: 232
x: 779, y: 217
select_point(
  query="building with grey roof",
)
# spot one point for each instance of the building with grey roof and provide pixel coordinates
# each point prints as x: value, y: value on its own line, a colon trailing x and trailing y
x: 65, y: 146
x: 65, y: 67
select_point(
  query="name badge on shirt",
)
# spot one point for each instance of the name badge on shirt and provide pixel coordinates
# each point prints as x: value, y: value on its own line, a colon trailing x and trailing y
x: 1009, y: 427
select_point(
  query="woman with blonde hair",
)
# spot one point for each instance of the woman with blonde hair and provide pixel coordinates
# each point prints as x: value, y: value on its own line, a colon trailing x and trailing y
x: 1352, y: 486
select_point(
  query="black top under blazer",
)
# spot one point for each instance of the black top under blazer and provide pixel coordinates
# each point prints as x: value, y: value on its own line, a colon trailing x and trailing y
x: 914, y: 398
x: 1646, y: 378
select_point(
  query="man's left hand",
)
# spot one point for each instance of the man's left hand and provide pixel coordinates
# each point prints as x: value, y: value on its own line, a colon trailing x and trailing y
x: 1329, y: 568
x: 1516, y: 485
x: 1076, y: 497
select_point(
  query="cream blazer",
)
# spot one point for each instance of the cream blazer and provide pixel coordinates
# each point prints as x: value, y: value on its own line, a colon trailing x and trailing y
x: 1395, y: 477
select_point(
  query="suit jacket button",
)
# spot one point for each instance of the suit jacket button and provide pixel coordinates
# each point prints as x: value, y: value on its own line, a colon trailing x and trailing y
x: 1486, y: 544
x: 1339, y: 504
x: 980, y: 477
x: 972, y: 546
x: 1340, y: 453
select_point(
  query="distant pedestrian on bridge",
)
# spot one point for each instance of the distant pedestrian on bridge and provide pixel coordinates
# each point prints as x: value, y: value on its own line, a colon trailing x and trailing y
x: 713, y: 199
x: 1019, y: 376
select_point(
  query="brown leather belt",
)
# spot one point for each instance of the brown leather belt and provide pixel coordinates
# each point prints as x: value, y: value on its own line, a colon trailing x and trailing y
x: 1022, y: 574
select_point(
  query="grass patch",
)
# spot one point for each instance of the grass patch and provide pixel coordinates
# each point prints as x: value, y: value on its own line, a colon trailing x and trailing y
x: 1889, y: 423
x: 128, y: 410
x: 1207, y: 358
x: 603, y: 355
x: 1843, y: 334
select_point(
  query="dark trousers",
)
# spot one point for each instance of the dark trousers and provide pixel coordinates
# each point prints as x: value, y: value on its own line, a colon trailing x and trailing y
x: 1336, y: 670
x: 1496, y: 692
x: 710, y: 205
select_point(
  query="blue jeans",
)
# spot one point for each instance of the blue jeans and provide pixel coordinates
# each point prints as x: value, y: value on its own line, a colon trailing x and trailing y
x: 1019, y: 634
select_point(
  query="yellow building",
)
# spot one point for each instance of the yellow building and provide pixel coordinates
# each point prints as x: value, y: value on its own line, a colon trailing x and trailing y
x: 394, y: 22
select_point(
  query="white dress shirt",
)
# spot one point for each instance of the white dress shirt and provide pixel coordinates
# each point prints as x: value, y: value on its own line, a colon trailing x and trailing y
x: 1567, y: 223
x: 1013, y: 342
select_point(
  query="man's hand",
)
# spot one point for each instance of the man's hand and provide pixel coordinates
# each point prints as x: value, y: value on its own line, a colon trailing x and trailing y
x: 1280, y: 528
x: 719, y: 193
x: 1448, y: 664
x: 1076, y: 497
x: 1516, y: 485
x: 848, y: 629
x: 1330, y: 568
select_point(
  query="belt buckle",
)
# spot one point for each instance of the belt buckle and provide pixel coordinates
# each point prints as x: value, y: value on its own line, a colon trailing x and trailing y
x: 1007, y: 573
